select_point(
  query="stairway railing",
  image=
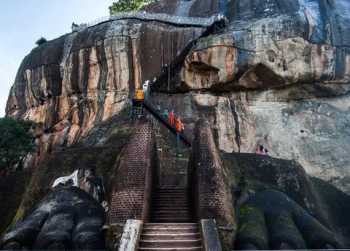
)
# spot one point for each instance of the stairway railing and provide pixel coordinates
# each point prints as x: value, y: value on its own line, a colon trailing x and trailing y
x: 210, y: 235
x: 131, y: 235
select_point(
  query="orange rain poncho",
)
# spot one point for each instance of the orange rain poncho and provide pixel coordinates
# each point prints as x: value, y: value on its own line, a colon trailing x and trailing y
x: 179, y: 125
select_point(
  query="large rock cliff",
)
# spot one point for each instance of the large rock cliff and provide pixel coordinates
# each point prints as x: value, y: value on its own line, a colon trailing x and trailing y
x: 277, y: 74
x: 70, y: 84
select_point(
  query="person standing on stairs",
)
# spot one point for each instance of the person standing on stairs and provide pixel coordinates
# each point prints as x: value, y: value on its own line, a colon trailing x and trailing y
x: 179, y: 126
x: 147, y: 89
x: 166, y: 114
x: 137, y: 103
x: 261, y: 150
x: 172, y: 118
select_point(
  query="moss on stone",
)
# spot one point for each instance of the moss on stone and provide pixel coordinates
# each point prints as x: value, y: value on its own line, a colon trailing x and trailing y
x: 12, y: 188
x: 252, y: 227
x: 18, y: 216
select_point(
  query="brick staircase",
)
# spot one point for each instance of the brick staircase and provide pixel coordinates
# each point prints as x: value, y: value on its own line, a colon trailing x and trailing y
x: 172, y: 170
x: 172, y: 226
x: 171, y: 205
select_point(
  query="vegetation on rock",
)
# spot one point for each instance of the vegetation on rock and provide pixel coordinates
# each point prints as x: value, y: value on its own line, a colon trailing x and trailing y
x: 128, y: 5
x: 41, y: 41
x: 16, y: 142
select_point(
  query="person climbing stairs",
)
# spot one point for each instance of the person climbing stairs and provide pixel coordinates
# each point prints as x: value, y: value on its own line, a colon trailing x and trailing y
x: 141, y: 99
x: 138, y: 103
x: 166, y: 122
x: 172, y: 225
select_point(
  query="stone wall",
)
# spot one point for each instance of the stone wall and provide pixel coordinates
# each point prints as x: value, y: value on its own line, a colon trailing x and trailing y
x: 211, y: 189
x: 133, y: 184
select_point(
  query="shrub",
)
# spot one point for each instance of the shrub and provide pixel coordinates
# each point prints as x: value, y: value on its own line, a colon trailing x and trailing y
x: 128, y: 5
x: 41, y: 41
x: 16, y: 141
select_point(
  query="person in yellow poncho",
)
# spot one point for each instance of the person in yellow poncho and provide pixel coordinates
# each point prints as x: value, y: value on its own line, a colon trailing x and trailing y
x: 137, y: 102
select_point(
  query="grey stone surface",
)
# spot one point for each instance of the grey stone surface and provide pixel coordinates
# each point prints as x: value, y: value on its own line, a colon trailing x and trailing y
x: 131, y: 235
x: 68, y: 217
x: 210, y: 235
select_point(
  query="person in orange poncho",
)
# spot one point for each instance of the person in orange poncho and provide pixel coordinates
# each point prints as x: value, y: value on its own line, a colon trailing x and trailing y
x: 179, y: 126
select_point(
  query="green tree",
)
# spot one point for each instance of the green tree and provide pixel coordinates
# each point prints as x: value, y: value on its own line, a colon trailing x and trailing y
x: 128, y: 5
x: 16, y: 141
x: 41, y: 41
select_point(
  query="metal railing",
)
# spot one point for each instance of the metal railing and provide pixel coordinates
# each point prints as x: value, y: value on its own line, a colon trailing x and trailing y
x: 131, y: 235
x: 161, y: 17
x: 210, y: 235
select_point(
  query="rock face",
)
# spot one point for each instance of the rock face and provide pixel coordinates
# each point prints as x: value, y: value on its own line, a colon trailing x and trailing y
x: 276, y: 75
x: 76, y: 81
x: 279, y: 70
x: 79, y: 216
x: 284, y: 205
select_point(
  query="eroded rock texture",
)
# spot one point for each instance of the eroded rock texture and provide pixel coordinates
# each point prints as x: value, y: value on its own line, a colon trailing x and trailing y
x: 271, y: 220
x: 277, y: 205
x: 100, y: 151
x: 76, y: 81
x: 277, y: 75
x: 68, y: 218
x: 280, y: 206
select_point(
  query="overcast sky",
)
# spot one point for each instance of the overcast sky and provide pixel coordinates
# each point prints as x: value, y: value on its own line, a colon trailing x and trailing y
x: 22, y: 22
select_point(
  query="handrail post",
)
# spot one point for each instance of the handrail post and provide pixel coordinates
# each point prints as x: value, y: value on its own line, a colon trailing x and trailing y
x: 131, y: 235
x: 210, y: 235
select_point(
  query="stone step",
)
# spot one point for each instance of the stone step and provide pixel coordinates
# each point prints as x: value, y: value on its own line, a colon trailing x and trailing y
x: 170, y: 208
x: 168, y: 236
x: 171, y: 212
x: 177, y: 204
x: 172, y: 224
x: 171, y: 189
x: 191, y: 227
x: 171, y: 231
x: 172, y: 215
x: 171, y: 193
x: 171, y: 196
x: 167, y: 206
x: 176, y: 216
x: 183, y: 225
x: 171, y: 219
x: 170, y: 243
x: 171, y: 199
x: 172, y: 249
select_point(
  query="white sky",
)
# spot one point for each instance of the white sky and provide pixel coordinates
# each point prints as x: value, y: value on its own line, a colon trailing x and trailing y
x: 23, y: 22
